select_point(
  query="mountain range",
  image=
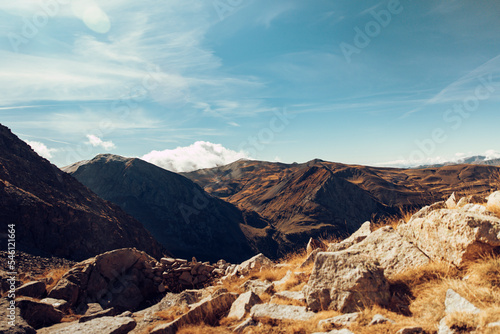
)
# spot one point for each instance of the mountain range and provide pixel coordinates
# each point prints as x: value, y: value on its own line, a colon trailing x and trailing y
x: 231, y: 212
x: 179, y: 213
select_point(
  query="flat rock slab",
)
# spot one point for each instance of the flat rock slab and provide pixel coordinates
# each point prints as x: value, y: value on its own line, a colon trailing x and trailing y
x: 341, y: 320
x: 290, y: 295
x: 106, y: 325
x: 281, y: 312
x: 454, y: 235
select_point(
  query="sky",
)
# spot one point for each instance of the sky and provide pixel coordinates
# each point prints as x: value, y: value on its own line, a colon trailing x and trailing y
x: 188, y: 84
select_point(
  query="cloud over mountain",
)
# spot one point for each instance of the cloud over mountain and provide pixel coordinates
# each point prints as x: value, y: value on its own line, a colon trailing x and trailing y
x: 199, y: 155
x: 41, y: 149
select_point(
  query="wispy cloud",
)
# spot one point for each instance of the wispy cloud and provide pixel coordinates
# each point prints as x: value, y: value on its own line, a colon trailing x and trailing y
x: 464, y: 87
x: 273, y: 12
x: 98, y: 142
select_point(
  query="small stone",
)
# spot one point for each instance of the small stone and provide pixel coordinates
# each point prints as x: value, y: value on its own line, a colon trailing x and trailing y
x: 410, y: 330
x: 380, y: 319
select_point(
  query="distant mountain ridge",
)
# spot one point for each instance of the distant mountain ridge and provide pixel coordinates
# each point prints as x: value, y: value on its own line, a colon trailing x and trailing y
x: 55, y: 214
x: 319, y: 197
x: 180, y: 214
x: 474, y: 160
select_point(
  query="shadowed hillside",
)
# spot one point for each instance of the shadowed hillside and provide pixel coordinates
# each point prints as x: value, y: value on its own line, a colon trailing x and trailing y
x: 55, y: 214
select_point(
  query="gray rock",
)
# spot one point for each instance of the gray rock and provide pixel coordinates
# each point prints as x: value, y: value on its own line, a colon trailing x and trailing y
x: 257, y: 286
x: 456, y: 303
x: 243, y: 304
x: 393, y: 252
x: 105, y: 325
x: 37, y: 314
x: 281, y: 312
x: 245, y: 324
x: 452, y: 235
x: 494, y: 201
x: 451, y: 202
x: 310, y: 258
x: 315, y: 244
x: 59, y: 304
x: 65, y: 290
x: 110, y: 312
x: 34, y: 289
x: 345, y: 282
x: 410, y: 330
x: 208, y: 311
x: 255, y: 263
x: 380, y: 319
x: 20, y: 326
x: 290, y: 295
x: 358, y: 236
x: 341, y: 320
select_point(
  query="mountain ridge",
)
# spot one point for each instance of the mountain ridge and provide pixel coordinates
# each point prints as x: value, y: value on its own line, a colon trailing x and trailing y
x: 55, y: 214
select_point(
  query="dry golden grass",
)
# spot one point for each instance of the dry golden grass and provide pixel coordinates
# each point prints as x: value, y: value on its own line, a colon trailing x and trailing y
x: 286, y: 301
x: 404, y: 214
x: 172, y: 313
x: 56, y: 275
x: 203, y: 329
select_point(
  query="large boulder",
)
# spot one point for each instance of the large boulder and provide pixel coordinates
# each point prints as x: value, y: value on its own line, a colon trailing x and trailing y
x: 452, y: 235
x: 112, y: 279
x: 346, y: 281
x: 393, y: 252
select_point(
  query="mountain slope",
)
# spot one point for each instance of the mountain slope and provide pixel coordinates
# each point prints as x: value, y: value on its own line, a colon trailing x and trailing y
x: 318, y: 196
x: 55, y: 214
x: 179, y: 214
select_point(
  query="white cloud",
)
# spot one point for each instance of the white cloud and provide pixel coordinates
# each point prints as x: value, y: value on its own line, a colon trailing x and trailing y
x: 492, y: 154
x: 199, y: 155
x: 41, y: 149
x: 96, y: 142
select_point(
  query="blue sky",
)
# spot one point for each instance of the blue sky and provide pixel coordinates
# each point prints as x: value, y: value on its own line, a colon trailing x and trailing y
x: 188, y: 84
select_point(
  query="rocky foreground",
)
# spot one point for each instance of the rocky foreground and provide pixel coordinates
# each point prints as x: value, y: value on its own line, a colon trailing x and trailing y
x: 438, y: 272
